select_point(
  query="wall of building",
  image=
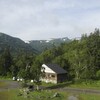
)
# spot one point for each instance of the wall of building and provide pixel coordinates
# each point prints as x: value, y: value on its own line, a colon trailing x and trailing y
x: 50, y: 77
x: 61, y: 77
x: 49, y: 81
x: 47, y: 69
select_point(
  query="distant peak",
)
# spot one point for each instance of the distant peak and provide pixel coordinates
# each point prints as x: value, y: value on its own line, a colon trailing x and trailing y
x: 2, y: 34
x: 27, y: 41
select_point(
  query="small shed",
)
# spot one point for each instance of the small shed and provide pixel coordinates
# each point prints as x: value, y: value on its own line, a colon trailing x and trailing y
x: 53, y: 73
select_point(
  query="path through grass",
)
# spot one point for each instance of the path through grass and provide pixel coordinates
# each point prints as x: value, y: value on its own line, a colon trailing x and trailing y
x: 3, y: 84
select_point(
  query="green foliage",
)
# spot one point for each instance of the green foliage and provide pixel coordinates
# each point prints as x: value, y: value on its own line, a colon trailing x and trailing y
x: 98, y: 74
x: 24, y: 84
x: 80, y: 58
x: 16, y: 45
x: 43, y: 45
x: 6, y: 62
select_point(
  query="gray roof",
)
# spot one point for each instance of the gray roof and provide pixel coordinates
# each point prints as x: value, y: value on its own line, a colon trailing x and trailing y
x: 56, y: 68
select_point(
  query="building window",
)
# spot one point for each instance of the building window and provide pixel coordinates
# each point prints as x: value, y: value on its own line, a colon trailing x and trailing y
x: 43, y: 69
x: 53, y: 76
x: 49, y: 75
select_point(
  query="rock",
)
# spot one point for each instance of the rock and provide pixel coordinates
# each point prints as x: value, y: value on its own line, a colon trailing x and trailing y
x: 18, y: 79
x: 31, y: 81
x: 72, y: 98
x: 21, y: 79
x: 56, y: 95
x: 14, y: 78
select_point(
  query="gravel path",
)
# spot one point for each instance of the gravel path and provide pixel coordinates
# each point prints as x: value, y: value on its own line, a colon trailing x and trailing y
x: 72, y: 98
x: 9, y: 85
x: 15, y: 84
x: 77, y: 90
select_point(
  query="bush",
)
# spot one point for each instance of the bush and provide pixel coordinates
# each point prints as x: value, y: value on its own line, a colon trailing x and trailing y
x: 24, y: 84
x: 98, y: 74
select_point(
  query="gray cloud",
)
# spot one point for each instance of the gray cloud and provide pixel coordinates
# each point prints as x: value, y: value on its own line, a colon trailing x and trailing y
x: 43, y: 19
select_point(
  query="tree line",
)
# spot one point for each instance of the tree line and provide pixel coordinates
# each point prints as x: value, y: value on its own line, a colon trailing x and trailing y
x: 80, y: 58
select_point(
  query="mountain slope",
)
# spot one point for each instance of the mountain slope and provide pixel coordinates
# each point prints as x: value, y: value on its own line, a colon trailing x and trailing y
x: 41, y: 45
x: 16, y: 45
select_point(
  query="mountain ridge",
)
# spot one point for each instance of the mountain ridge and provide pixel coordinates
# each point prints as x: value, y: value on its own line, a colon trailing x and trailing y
x: 36, y: 46
x: 16, y: 44
x: 42, y: 45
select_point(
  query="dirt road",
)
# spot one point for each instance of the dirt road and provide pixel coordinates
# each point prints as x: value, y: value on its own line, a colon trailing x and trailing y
x: 77, y: 90
x: 13, y: 85
x: 9, y: 84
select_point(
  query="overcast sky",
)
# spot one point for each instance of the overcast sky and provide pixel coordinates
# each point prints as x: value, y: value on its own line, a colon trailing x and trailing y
x: 45, y: 19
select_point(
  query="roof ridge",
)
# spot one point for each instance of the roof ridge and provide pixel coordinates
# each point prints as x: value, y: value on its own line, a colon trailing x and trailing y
x: 56, y: 68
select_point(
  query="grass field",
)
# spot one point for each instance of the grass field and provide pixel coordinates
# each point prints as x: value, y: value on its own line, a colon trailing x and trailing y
x: 14, y: 94
x: 44, y: 95
x: 90, y: 84
x: 87, y: 85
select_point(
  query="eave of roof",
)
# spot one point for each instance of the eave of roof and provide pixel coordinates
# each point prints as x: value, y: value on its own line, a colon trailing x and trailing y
x: 56, y: 68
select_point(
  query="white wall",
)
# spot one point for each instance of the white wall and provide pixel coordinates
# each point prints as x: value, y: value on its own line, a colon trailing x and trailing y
x: 47, y: 69
x: 49, y: 81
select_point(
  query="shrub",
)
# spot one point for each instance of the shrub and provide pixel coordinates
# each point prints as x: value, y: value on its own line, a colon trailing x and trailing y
x: 98, y: 74
x: 24, y: 84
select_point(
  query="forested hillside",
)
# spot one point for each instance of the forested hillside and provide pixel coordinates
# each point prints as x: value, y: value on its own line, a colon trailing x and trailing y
x: 80, y: 58
x: 42, y: 45
x: 15, y: 45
